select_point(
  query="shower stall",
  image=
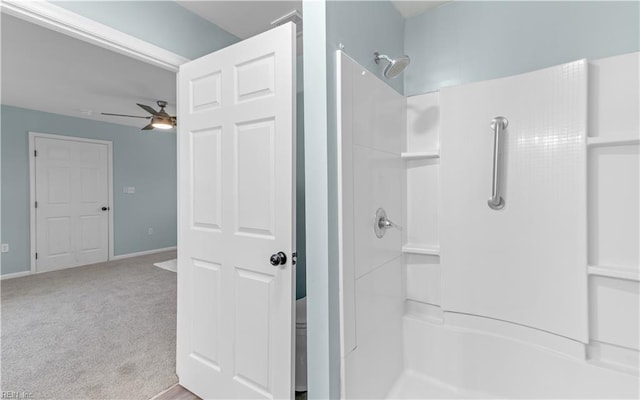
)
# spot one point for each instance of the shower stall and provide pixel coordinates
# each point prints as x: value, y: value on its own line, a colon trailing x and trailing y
x: 489, y: 234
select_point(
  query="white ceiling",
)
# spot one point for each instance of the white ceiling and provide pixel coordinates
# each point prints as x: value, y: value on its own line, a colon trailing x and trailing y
x: 48, y: 71
x: 412, y: 8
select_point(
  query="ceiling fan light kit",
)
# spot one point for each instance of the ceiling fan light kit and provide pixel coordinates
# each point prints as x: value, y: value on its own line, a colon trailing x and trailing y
x: 159, y: 119
x: 161, y: 122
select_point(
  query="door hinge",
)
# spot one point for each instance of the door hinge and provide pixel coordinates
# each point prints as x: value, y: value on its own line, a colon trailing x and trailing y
x: 35, y: 153
x: 36, y: 256
x: 36, y: 204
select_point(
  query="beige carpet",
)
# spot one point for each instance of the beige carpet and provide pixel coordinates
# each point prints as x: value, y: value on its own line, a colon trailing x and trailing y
x: 104, y: 331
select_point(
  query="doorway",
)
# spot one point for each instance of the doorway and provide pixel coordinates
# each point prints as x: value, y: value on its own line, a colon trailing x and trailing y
x: 71, y: 193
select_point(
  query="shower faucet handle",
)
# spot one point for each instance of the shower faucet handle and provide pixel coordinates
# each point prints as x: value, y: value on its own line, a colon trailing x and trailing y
x: 382, y: 223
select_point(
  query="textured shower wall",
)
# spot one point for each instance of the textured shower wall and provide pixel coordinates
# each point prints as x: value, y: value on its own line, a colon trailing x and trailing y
x: 371, y: 122
x: 362, y: 27
x: 613, y: 166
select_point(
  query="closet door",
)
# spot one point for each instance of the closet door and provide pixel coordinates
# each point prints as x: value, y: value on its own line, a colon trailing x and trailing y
x: 525, y: 262
x: 72, y: 196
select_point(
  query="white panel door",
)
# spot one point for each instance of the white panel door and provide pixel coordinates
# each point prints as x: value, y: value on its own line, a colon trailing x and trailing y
x: 525, y: 263
x: 71, y: 182
x: 236, y: 157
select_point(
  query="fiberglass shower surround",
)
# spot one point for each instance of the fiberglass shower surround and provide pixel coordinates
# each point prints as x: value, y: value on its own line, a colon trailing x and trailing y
x: 515, y: 273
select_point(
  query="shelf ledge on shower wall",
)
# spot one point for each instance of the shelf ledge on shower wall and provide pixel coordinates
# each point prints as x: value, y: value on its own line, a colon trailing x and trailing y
x: 423, y: 155
x: 627, y: 273
x: 411, y: 248
x: 612, y: 141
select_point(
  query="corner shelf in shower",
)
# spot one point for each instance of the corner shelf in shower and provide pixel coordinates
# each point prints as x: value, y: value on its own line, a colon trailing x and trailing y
x: 630, y: 274
x: 412, y: 248
x: 612, y: 141
x: 422, y: 155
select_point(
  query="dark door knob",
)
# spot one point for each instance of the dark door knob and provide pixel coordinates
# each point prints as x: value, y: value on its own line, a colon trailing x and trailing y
x: 105, y: 208
x: 278, y: 259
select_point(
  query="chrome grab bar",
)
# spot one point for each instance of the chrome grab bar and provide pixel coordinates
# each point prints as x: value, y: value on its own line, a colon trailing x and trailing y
x: 498, y: 124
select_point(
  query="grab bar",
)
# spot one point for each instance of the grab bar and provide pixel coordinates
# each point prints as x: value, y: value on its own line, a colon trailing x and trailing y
x: 498, y: 124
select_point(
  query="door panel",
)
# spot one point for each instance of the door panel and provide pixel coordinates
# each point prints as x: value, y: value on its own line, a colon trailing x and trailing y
x: 254, y: 182
x: 71, y: 189
x: 206, y: 152
x: 90, y: 185
x: 252, y: 324
x: 235, y: 139
x: 90, y: 232
x: 59, y: 236
x: 525, y: 263
x: 206, y: 332
x: 60, y: 188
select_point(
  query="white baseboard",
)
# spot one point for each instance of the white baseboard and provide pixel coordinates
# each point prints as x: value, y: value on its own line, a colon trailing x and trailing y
x: 141, y: 253
x: 15, y: 275
x: 114, y: 258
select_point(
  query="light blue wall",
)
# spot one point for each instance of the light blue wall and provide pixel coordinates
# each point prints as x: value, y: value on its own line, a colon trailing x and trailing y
x: 143, y: 159
x: 172, y: 27
x: 163, y: 23
x: 362, y: 27
x: 462, y: 42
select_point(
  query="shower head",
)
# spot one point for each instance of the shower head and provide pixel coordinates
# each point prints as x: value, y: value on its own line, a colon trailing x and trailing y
x: 395, y: 66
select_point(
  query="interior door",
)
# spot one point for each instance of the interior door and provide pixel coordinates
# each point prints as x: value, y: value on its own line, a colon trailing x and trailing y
x: 71, y: 181
x: 525, y: 262
x: 236, y: 157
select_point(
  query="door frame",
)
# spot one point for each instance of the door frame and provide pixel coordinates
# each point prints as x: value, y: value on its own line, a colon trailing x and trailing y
x: 32, y: 189
x: 56, y: 18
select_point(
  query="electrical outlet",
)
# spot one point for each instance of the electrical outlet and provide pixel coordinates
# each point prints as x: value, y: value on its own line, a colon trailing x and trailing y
x: 4, y: 248
x: 150, y: 231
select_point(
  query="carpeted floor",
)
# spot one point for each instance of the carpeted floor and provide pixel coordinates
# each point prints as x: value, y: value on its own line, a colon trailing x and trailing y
x: 103, y: 331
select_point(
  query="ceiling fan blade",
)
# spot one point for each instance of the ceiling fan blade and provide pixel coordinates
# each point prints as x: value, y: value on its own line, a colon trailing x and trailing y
x: 147, y: 128
x: 125, y: 115
x: 147, y: 109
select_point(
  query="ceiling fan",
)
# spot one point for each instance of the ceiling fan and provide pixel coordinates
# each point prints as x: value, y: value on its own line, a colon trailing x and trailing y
x: 159, y: 119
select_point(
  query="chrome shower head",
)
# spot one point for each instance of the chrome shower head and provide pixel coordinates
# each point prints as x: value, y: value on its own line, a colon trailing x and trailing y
x: 395, y: 66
